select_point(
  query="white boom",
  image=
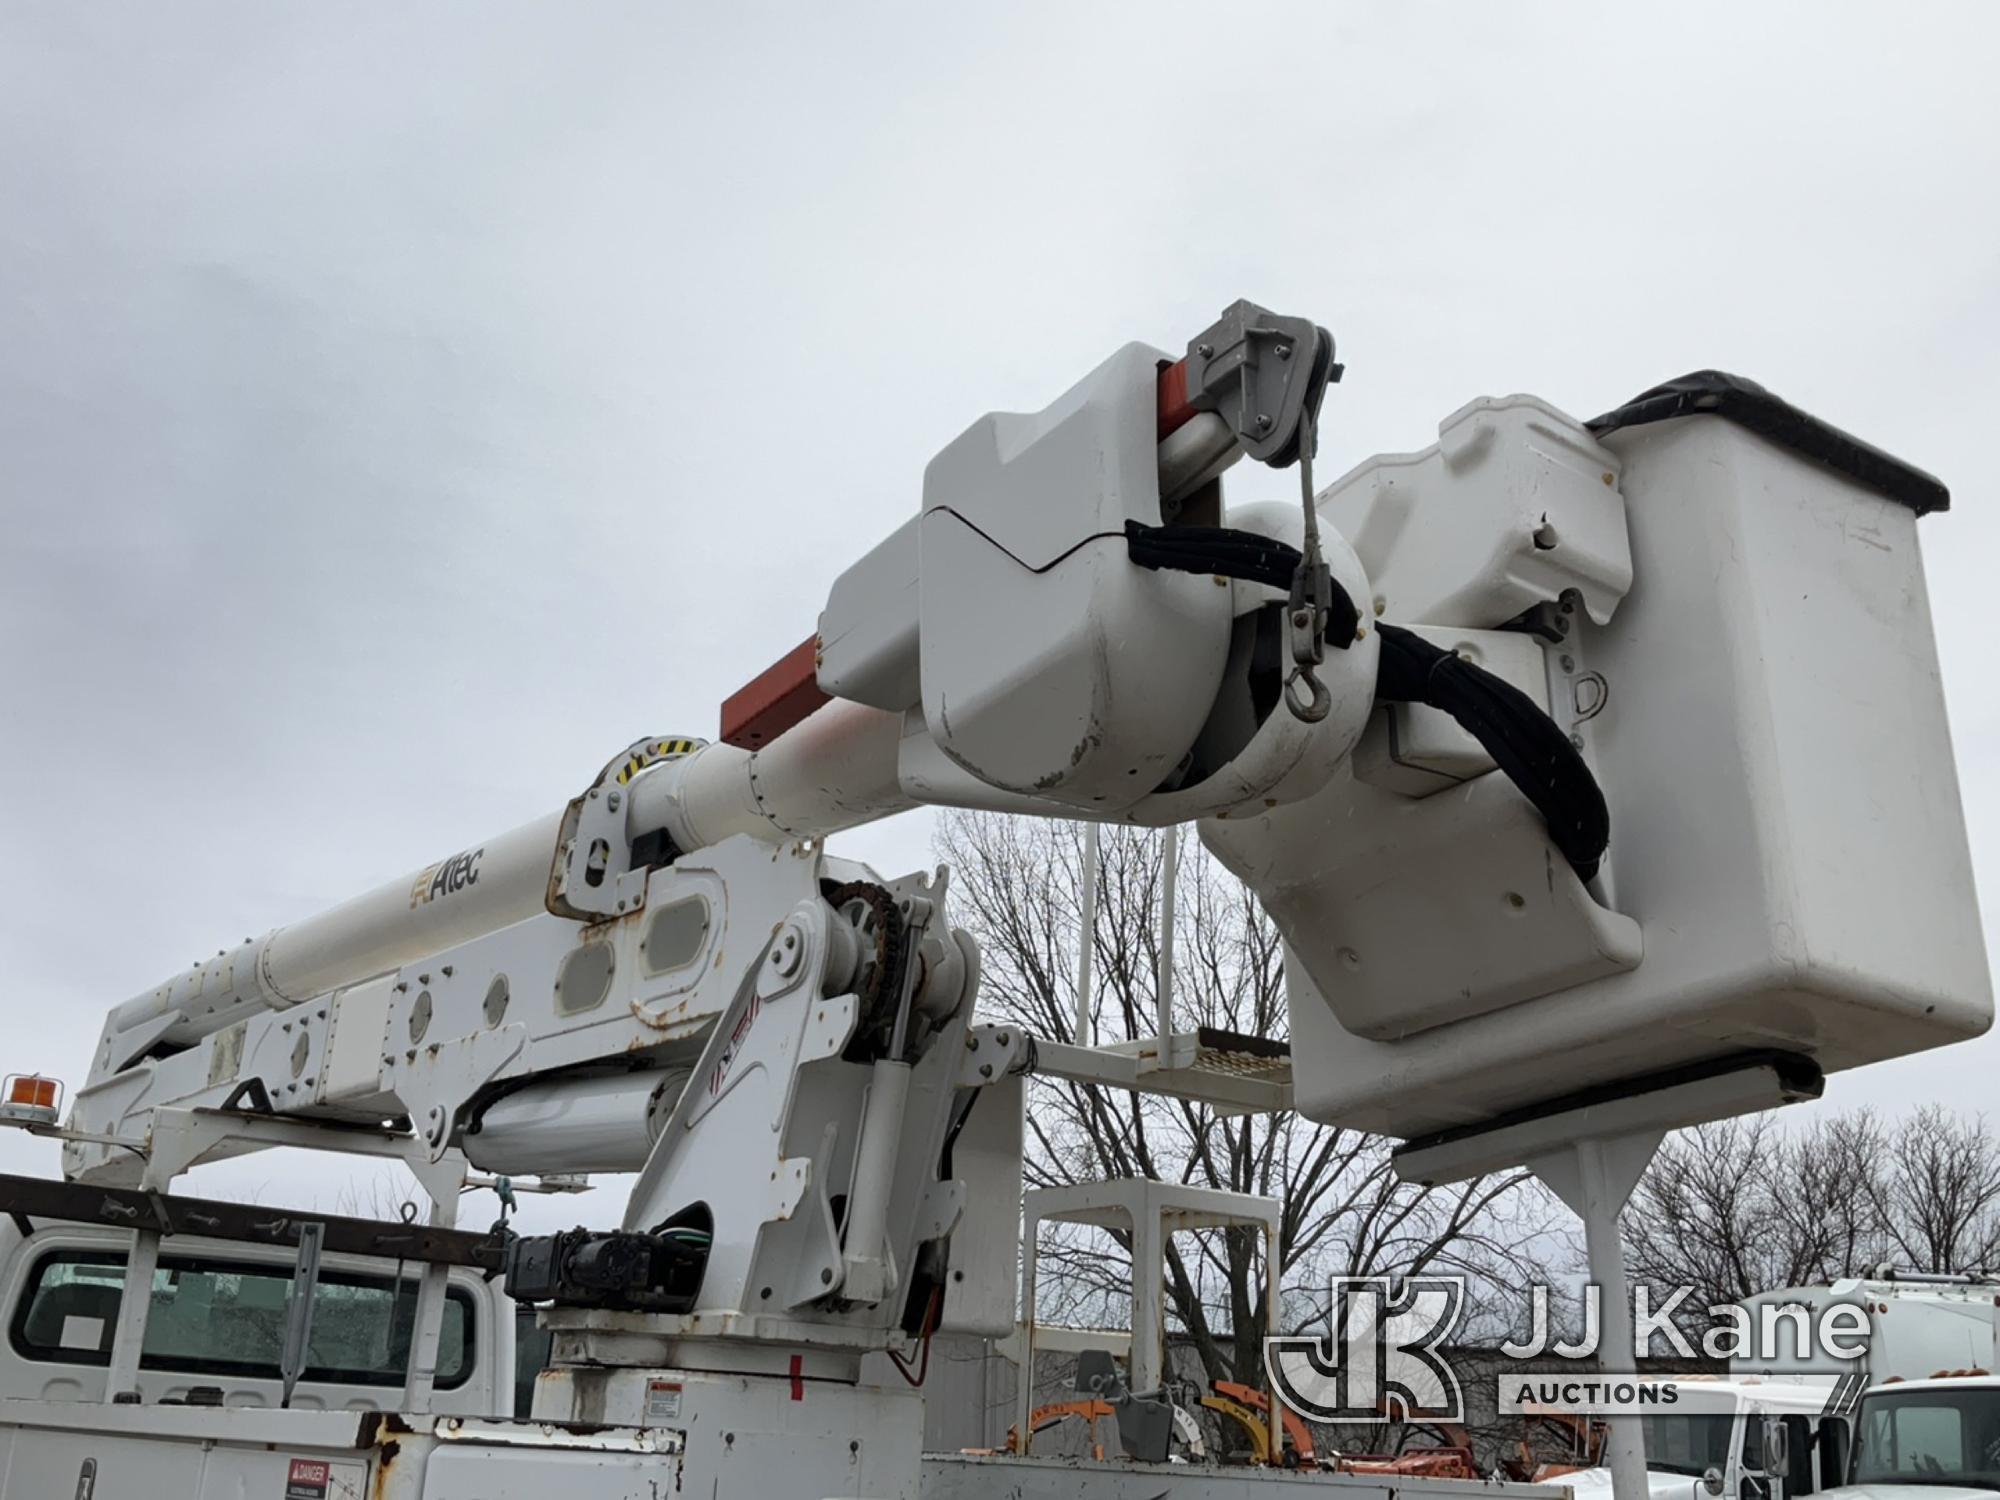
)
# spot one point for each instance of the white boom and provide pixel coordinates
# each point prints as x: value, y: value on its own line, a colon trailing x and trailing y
x: 1409, y: 712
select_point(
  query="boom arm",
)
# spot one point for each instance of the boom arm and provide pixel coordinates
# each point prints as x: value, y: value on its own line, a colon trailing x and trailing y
x: 672, y: 977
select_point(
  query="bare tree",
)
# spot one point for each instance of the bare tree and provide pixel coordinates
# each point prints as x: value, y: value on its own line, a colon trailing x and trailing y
x: 1746, y: 1206
x: 1938, y: 1193
x: 382, y: 1195
x: 1741, y: 1206
x: 1018, y: 889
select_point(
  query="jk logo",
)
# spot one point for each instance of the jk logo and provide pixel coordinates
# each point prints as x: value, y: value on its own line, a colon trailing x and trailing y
x: 1381, y: 1363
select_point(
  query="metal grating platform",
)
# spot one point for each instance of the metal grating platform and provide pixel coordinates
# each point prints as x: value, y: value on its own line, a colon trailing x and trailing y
x: 1234, y: 1073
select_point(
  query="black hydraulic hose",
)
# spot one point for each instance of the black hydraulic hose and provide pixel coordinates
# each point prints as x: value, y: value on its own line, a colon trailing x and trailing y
x: 951, y: 1135
x: 1213, y: 549
x: 1524, y: 742
x: 1230, y: 553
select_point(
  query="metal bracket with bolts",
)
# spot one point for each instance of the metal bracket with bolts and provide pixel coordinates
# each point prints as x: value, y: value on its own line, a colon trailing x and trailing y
x: 594, y: 875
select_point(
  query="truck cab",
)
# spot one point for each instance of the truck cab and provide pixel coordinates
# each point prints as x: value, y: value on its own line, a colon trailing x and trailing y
x: 1744, y: 1439
x: 1926, y: 1440
x: 217, y: 1325
x: 1774, y: 1443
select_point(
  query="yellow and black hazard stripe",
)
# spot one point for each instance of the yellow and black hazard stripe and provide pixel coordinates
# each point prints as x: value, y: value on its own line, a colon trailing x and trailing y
x: 652, y: 752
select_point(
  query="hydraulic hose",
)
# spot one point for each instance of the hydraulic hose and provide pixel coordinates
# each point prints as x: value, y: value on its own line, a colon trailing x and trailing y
x: 1523, y: 741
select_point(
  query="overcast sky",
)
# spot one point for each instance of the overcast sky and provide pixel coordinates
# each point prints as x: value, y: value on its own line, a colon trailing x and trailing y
x: 402, y: 408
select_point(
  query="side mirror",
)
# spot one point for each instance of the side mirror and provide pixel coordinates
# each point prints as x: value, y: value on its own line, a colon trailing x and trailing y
x: 1711, y: 1480
x: 1777, y: 1448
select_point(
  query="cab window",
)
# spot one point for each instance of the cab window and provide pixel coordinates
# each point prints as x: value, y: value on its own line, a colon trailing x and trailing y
x: 1832, y: 1452
x: 1944, y: 1435
x: 1750, y: 1460
x: 532, y: 1343
x: 1915, y: 1439
x: 219, y: 1317
x: 1799, y: 1445
x: 1684, y: 1444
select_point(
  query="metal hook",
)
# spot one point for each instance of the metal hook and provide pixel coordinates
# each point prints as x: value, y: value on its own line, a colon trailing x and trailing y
x: 1311, y: 597
x: 1321, y: 703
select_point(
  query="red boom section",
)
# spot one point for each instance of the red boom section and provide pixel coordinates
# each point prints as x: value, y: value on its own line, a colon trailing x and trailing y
x: 1174, y: 408
x: 788, y: 691
x: 774, y: 700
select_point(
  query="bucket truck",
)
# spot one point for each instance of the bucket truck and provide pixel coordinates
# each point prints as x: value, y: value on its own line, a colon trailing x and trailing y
x: 1595, y: 773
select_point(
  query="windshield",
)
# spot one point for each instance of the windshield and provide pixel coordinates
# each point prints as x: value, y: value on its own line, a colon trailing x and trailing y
x: 1688, y: 1444
x: 1929, y: 1437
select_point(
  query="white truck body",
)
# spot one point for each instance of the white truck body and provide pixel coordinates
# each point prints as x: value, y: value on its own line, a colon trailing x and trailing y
x: 1917, y: 1326
x: 62, y: 1449
x: 208, y: 1424
x: 1722, y: 1433
x: 673, y: 974
x: 1926, y: 1440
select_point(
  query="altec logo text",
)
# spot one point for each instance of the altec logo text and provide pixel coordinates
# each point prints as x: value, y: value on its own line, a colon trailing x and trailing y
x: 445, y: 877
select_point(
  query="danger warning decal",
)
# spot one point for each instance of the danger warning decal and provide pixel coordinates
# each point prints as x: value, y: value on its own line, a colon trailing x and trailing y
x: 318, y: 1479
x: 663, y: 1402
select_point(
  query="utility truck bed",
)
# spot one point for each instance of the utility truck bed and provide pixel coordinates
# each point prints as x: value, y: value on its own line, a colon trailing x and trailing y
x: 96, y: 1452
x: 54, y: 1448
x: 982, y: 1477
